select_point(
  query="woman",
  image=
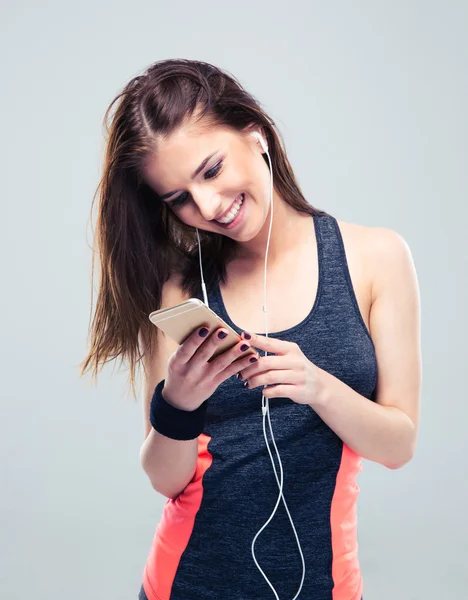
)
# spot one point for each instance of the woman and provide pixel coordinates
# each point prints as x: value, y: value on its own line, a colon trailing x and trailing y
x: 342, y: 365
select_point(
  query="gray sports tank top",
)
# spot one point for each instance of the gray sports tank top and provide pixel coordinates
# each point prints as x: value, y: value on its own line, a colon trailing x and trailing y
x: 202, y: 545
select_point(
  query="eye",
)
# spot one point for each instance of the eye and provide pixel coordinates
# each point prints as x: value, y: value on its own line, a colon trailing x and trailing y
x: 211, y: 174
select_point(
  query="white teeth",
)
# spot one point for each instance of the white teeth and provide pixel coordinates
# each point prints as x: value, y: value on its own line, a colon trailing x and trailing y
x: 232, y: 213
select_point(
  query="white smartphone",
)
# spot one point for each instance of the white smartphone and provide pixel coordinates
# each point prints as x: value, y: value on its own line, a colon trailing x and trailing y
x: 180, y: 321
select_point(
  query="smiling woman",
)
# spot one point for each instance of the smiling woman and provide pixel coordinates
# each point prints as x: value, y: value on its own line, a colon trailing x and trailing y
x: 187, y: 152
x: 215, y: 189
x: 164, y: 177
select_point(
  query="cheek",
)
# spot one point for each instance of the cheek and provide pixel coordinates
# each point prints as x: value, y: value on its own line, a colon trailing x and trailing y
x: 182, y: 213
x: 240, y: 176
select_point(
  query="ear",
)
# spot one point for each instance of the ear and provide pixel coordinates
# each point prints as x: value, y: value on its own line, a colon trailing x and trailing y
x: 249, y: 129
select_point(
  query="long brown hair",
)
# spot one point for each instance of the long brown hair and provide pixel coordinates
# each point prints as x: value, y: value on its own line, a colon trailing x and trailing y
x: 139, y: 242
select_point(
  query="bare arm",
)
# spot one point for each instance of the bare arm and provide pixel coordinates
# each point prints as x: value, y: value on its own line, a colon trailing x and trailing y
x: 170, y: 464
x: 385, y: 431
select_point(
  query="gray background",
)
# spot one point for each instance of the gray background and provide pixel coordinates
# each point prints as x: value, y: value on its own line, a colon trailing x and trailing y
x: 371, y: 98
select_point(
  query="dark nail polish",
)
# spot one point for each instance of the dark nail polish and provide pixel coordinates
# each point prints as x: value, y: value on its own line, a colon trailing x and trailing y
x: 253, y: 359
x: 246, y: 383
x: 203, y: 332
x: 247, y: 336
x: 244, y: 347
x: 222, y: 335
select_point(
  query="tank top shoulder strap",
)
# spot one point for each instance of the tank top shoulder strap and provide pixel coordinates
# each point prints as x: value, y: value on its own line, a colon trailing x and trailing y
x: 337, y: 288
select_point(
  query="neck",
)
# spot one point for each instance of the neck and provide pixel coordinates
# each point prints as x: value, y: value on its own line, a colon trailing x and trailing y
x: 289, y: 230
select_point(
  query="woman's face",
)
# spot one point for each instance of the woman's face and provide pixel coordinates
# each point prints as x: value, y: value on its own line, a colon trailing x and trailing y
x: 200, y: 192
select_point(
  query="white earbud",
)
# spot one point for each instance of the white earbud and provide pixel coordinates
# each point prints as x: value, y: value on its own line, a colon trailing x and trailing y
x: 259, y: 138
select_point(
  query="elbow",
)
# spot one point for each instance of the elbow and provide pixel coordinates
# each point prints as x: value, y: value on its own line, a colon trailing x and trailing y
x: 170, y: 494
x: 395, y: 466
x: 161, y: 489
x: 406, y: 451
x: 402, y: 462
x: 156, y: 484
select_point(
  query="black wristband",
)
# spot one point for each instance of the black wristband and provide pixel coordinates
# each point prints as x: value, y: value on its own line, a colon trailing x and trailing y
x: 173, y: 422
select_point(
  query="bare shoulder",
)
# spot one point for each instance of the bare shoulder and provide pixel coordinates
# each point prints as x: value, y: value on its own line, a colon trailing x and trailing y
x: 357, y: 238
x: 368, y: 239
x: 380, y: 251
x: 368, y: 234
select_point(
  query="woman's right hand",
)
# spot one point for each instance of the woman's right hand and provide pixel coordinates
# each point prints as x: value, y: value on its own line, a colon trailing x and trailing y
x: 191, y: 379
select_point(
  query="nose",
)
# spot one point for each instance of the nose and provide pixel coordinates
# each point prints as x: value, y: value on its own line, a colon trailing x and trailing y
x: 209, y: 207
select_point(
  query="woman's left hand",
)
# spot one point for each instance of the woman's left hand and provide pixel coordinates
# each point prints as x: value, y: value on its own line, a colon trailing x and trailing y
x: 294, y: 375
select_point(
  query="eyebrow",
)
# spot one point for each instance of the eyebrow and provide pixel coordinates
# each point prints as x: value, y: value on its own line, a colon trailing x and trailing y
x: 194, y: 174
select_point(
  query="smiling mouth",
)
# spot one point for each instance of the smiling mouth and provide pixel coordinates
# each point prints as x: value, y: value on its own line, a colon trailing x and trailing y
x: 240, y: 199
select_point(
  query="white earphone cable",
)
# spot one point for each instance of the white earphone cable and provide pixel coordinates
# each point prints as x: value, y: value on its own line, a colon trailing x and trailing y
x: 265, y: 404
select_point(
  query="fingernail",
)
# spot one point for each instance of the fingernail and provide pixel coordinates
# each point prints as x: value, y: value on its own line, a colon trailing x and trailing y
x: 246, y: 383
x: 203, y: 332
x: 244, y: 347
x: 247, y: 336
x: 222, y: 335
x: 253, y: 359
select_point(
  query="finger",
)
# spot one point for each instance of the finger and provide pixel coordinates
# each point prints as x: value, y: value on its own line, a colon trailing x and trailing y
x: 282, y: 377
x: 236, y: 366
x: 279, y: 391
x: 225, y: 359
x: 269, y: 363
x: 192, y: 343
x: 271, y: 345
x: 206, y: 351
